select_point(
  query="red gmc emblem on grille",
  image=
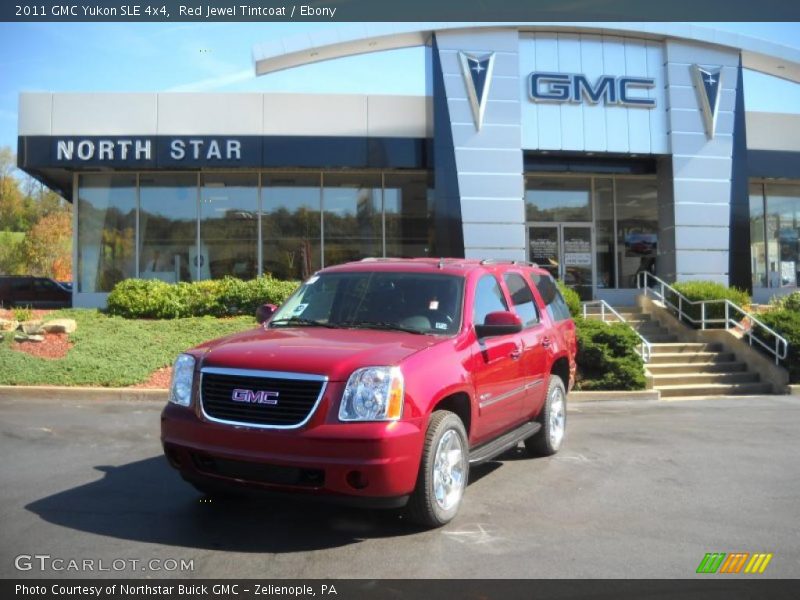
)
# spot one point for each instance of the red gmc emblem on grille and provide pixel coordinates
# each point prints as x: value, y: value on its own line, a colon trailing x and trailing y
x: 254, y: 397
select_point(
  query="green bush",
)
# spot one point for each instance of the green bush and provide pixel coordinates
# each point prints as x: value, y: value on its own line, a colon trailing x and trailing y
x: 789, y: 302
x: 709, y: 290
x: 607, y: 357
x: 572, y: 299
x: 154, y: 299
x: 787, y: 323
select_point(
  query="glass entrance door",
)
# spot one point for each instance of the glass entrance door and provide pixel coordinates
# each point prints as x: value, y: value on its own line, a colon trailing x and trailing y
x: 567, y: 251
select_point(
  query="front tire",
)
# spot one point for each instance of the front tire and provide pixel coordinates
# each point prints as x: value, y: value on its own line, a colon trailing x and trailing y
x: 443, y: 472
x: 553, y: 419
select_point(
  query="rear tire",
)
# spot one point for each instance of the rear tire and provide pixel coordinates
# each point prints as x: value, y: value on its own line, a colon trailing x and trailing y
x: 553, y: 420
x: 443, y: 471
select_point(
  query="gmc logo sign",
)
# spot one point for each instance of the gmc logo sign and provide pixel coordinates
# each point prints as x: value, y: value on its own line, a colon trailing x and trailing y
x: 567, y: 87
x: 254, y: 397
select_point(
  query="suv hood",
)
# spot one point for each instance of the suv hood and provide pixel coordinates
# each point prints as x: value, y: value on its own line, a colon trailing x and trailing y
x: 332, y: 352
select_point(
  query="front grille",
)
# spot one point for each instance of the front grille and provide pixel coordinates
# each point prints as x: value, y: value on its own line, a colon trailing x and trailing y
x: 294, y: 397
x: 258, y: 472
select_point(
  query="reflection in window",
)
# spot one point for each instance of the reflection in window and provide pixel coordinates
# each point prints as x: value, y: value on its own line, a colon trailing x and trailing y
x: 637, y: 228
x: 106, y: 231
x: 488, y: 298
x: 229, y: 226
x: 352, y: 216
x: 604, y: 232
x: 168, y: 228
x: 407, y: 201
x: 758, y: 249
x: 558, y: 198
x: 290, y: 224
x: 783, y: 234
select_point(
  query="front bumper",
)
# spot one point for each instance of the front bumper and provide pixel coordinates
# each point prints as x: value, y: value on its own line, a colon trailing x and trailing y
x: 356, y: 463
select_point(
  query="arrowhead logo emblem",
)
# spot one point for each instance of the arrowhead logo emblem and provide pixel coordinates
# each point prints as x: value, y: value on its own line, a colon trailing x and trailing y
x: 708, y: 83
x: 477, y: 72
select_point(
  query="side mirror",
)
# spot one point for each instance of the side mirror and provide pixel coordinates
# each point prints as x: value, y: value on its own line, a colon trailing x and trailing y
x: 264, y: 313
x: 502, y: 322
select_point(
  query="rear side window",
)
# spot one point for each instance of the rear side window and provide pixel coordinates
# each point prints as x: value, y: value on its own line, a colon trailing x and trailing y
x: 488, y: 298
x: 522, y: 299
x: 554, y: 301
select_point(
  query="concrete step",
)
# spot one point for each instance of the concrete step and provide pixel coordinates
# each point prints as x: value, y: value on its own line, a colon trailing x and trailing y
x: 686, y: 347
x: 698, y: 367
x: 690, y: 378
x: 691, y: 357
x: 612, y: 318
x: 660, y: 338
x: 715, y: 389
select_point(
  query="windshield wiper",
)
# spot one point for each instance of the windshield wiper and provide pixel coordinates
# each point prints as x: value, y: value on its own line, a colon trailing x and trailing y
x: 381, y: 325
x: 302, y: 322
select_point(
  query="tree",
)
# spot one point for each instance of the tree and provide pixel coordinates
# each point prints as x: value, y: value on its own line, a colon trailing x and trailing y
x: 47, y: 249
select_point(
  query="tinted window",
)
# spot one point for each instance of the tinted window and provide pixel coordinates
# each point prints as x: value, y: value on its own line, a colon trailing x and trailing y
x: 377, y: 300
x: 546, y: 286
x: 522, y: 299
x: 488, y: 298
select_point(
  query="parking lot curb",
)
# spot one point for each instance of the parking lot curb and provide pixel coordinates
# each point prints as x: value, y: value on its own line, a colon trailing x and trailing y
x: 640, y: 395
x: 49, y: 392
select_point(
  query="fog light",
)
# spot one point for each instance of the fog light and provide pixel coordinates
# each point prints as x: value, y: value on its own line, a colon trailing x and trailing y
x: 357, y: 480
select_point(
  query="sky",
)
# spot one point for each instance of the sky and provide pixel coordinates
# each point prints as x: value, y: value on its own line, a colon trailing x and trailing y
x: 206, y: 57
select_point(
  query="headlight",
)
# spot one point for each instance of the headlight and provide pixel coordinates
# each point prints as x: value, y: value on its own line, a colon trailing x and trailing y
x: 180, y: 390
x: 373, y: 394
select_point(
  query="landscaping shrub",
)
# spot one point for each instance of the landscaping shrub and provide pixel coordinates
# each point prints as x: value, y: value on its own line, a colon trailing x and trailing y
x: 154, y: 299
x: 709, y: 290
x: 787, y: 323
x: 607, y: 357
x: 789, y: 302
x: 572, y: 299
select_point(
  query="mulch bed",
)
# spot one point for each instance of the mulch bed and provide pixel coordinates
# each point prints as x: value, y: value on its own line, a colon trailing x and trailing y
x: 160, y: 379
x: 54, y: 346
x: 6, y: 313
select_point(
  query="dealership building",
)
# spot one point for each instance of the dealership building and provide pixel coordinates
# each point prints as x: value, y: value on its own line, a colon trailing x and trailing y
x: 596, y: 150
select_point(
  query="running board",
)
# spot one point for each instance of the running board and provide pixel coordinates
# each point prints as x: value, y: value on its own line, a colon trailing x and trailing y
x: 497, y: 446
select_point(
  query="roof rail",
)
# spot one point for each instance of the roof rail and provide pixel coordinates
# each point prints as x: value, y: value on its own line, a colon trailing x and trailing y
x: 494, y: 261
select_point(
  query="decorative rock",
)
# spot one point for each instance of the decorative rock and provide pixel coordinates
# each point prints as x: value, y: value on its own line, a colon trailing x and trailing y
x: 60, y: 326
x: 31, y: 327
x: 8, y: 325
x: 24, y: 337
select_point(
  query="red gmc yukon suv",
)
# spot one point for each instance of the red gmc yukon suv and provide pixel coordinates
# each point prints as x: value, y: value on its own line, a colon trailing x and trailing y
x: 379, y: 383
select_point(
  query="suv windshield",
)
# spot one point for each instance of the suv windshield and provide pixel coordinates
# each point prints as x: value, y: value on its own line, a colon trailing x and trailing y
x: 412, y: 302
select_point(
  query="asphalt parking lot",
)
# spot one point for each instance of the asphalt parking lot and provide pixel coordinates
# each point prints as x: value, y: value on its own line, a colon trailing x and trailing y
x: 641, y: 489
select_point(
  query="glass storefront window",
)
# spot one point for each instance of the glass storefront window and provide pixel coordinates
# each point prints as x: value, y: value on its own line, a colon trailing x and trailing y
x: 228, y: 226
x: 106, y: 231
x: 353, y: 220
x: 783, y: 234
x: 758, y: 249
x: 290, y: 224
x: 604, y: 232
x: 637, y: 228
x: 168, y: 228
x: 407, y: 202
x: 558, y: 198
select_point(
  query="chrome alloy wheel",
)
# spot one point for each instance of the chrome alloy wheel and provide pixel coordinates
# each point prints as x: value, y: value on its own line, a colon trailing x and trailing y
x: 449, y: 470
x: 558, y: 417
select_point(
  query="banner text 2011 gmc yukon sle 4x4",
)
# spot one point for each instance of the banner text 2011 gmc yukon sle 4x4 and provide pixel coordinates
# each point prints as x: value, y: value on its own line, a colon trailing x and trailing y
x: 379, y: 382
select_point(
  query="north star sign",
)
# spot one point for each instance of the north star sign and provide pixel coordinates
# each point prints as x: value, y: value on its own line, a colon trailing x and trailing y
x: 576, y: 89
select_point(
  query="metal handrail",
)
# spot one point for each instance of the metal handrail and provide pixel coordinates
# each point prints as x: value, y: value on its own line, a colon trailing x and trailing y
x: 646, y: 348
x: 731, y: 310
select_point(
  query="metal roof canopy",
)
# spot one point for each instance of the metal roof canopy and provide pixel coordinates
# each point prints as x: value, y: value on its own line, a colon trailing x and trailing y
x: 276, y: 55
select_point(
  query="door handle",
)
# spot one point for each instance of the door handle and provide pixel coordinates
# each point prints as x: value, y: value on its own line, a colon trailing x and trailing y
x: 515, y: 354
x: 545, y: 342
